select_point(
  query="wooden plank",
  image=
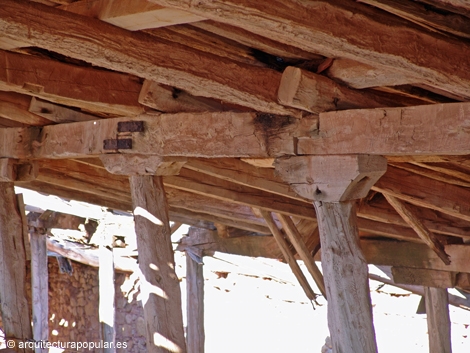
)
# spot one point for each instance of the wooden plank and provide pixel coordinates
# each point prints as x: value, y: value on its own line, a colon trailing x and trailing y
x: 195, y: 336
x: 421, y: 15
x: 288, y: 256
x: 425, y: 192
x: 328, y: 27
x: 57, y: 113
x: 14, y: 306
x: 305, y: 90
x: 210, y: 135
x: 296, y: 240
x: 424, y: 277
x: 422, y: 130
x: 86, y: 39
x: 161, y: 296
x: 107, y: 294
x: 81, y: 87
x: 13, y: 111
x: 138, y: 15
x: 437, y: 313
x: 39, y: 287
x: 423, y: 232
x: 346, y: 278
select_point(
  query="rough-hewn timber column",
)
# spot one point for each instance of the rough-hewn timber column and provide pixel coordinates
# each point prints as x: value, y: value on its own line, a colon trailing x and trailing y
x: 14, y: 307
x: 334, y: 183
x: 161, y: 294
x: 437, y: 312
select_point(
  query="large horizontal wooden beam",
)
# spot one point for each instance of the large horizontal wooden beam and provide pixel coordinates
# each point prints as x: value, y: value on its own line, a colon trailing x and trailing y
x: 143, y: 55
x: 332, y: 29
x: 421, y: 130
x: 82, y: 87
x: 198, y: 135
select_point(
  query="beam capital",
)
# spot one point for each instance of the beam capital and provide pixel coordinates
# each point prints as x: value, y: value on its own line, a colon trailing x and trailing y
x: 331, y: 178
x: 137, y: 164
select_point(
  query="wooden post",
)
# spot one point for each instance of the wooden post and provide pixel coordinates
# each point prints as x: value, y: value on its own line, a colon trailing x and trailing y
x: 40, y: 288
x: 195, y: 335
x: 437, y: 311
x: 161, y: 294
x: 107, y: 295
x: 14, y: 306
x: 334, y: 182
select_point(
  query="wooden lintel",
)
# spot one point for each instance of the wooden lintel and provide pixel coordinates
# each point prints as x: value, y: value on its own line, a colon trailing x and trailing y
x: 424, y: 277
x: 82, y: 87
x: 210, y: 135
x: 87, y: 38
x: 438, y: 129
x: 329, y: 27
x: 138, y: 15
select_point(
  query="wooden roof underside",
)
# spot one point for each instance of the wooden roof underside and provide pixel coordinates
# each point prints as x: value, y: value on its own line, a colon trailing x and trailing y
x: 232, y: 84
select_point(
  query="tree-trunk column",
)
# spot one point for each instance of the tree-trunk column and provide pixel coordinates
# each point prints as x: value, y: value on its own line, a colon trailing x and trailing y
x: 14, y: 306
x: 161, y: 294
x: 334, y: 183
x: 437, y: 312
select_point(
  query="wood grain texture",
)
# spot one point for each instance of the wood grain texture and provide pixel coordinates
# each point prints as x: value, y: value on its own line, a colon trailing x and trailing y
x: 437, y: 129
x: 437, y: 313
x: 330, y: 28
x: 346, y: 279
x: 161, y: 295
x: 167, y: 63
x: 14, y: 306
x: 424, y: 277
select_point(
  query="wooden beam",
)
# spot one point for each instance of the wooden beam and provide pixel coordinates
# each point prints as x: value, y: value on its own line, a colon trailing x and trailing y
x: 422, y: 130
x: 329, y: 28
x: 138, y: 15
x: 81, y: 87
x: 424, y: 277
x: 161, y: 296
x: 85, y: 39
x: 437, y: 313
x: 210, y: 135
x: 57, y: 113
x: 420, y: 14
x: 296, y: 240
x: 305, y: 90
x: 13, y: 111
x: 288, y: 256
x: 423, y: 232
x: 39, y: 287
x: 195, y: 336
x: 16, y: 318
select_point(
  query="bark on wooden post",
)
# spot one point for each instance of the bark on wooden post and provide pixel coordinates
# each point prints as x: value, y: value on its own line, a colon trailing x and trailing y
x: 14, y: 306
x: 195, y: 335
x: 334, y: 182
x: 437, y: 311
x: 107, y: 295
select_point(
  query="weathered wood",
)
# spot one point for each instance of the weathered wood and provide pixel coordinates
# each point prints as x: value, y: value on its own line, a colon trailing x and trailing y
x: 425, y: 192
x: 140, y: 14
x: 422, y: 130
x: 16, y: 318
x: 305, y: 90
x: 81, y: 87
x: 39, y: 286
x: 437, y: 313
x: 424, y: 277
x: 15, y: 170
x: 107, y: 293
x: 57, y: 113
x: 11, y: 111
x: 86, y: 39
x: 359, y: 75
x: 136, y: 164
x: 330, y: 27
x: 195, y: 336
x: 161, y: 296
x: 346, y: 278
x: 288, y: 256
x: 296, y: 240
x: 331, y: 178
x: 419, y: 14
x: 423, y: 232
x: 210, y: 135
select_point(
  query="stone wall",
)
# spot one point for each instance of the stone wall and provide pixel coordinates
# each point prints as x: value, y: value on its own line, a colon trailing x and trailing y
x: 73, y: 307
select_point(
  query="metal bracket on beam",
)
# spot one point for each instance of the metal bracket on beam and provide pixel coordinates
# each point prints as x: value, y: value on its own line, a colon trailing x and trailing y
x: 117, y: 144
